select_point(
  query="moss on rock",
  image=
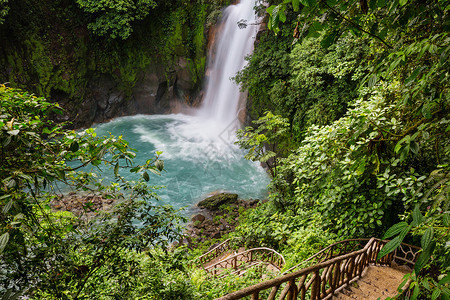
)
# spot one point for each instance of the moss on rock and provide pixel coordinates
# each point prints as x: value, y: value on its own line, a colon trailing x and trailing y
x: 215, y: 201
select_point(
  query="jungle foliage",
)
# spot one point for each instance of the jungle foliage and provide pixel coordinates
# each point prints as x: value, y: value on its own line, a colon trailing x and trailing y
x: 371, y: 154
x: 351, y: 106
x: 50, y: 254
x: 114, y: 18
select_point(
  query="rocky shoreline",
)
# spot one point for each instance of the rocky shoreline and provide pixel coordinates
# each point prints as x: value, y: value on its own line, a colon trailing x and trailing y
x: 218, y: 216
x: 84, y: 205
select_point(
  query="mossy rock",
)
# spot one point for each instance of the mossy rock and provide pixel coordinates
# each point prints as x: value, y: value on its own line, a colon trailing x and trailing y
x: 214, y: 202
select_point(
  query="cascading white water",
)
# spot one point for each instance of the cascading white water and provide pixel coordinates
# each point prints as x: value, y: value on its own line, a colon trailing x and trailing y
x: 198, y: 150
x: 222, y: 95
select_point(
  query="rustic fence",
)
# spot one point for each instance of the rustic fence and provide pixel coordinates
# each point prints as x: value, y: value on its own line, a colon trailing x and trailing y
x: 246, y: 258
x: 322, y: 280
x: 333, y: 250
x: 215, y: 252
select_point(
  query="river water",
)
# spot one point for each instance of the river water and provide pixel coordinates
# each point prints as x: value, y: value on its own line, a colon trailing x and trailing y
x: 195, y: 166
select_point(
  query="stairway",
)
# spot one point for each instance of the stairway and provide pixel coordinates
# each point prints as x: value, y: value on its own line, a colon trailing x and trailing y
x: 348, y: 269
x: 222, y: 258
x: 377, y: 282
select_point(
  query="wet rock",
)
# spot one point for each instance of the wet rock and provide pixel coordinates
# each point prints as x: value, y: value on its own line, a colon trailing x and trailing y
x: 253, y: 202
x: 221, y: 213
x: 215, y: 201
x: 198, y: 218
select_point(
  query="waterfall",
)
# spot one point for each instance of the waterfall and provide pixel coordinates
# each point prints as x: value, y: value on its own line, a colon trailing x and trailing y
x: 198, y: 150
x: 222, y: 96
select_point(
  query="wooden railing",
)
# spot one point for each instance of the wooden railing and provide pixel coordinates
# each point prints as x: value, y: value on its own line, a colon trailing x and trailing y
x: 322, y: 280
x: 240, y: 260
x: 333, y: 250
x: 215, y: 252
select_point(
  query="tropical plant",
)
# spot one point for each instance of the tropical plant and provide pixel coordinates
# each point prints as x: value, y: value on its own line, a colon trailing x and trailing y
x: 431, y: 275
x: 115, y: 18
x: 59, y: 254
x: 266, y: 141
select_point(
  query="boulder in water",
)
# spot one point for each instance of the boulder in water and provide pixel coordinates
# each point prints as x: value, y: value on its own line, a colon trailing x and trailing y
x: 214, y: 202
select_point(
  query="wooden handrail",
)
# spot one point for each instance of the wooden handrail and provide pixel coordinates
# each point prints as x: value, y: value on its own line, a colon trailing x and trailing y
x: 215, y: 252
x: 329, y: 252
x: 324, y: 279
x: 256, y: 254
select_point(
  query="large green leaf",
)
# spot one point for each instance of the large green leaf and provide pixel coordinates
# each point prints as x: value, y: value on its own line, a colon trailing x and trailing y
x: 275, y: 17
x: 270, y: 9
x: 436, y: 294
x: 424, y: 257
x: 282, y: 16
x: 4, y: 238
x: 395, y: 229
x: 390, y: 246
x: 427, y: 237
x: 445, y: 280
x: 446, y: 219
x: 415, y: 292
x: 417, y: 216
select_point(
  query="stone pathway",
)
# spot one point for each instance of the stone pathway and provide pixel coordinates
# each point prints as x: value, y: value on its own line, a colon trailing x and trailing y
x: 377, y: 282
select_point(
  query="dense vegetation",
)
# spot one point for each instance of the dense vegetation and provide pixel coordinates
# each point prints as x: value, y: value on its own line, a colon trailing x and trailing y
x: 350, y: 101
x: 60, y: 255
x: 363, y: 102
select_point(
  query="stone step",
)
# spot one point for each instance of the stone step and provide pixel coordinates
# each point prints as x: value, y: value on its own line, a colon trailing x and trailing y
x: 376, y: 282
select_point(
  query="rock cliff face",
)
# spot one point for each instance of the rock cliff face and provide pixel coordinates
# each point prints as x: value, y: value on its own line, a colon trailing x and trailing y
x: 155, y: 92
x: 47, y: 48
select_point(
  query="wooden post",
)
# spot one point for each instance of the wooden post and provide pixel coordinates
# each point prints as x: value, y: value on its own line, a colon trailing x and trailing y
x: 292, y: 295
x: 273, y: 292
x: 315, y: 290
x: 335, y: 277
x: 350, y: 269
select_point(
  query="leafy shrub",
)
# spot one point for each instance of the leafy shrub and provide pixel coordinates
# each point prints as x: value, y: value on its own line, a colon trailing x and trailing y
x: 114, y: 18
x: 47, y: 254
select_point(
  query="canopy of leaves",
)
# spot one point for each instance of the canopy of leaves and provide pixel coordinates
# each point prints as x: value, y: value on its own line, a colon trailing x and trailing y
x: 409, y: 40
x: 306, y: 84
x: 114, y: 18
